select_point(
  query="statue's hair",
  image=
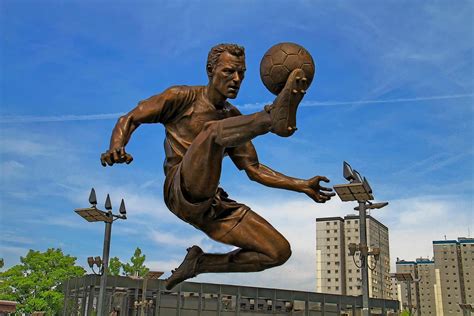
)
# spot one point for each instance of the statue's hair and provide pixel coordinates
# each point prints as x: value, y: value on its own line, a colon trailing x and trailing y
x: 216, y: 51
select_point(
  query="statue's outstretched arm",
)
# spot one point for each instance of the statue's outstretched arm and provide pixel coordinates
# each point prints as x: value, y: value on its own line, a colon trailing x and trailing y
x: 311, y: 187
x: 245, y: 158
x: 151, y: 110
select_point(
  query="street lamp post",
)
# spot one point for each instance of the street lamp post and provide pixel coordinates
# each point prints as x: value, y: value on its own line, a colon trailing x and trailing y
x: 408, y: 279
x: 358, y: 189
x: 93, y: 214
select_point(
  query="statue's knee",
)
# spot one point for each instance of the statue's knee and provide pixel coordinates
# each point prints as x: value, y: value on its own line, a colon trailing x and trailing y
x: 284, y: 253
x: 281, y: 253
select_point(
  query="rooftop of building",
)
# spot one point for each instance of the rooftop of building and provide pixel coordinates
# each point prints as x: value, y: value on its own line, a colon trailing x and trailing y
x: 461, y: 240
x: 348, y: 217
x: 328, y: 219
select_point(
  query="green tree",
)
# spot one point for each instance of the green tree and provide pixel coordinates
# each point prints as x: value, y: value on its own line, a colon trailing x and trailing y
x: 1, y: 263
x: 34, y: 282
x: 115, y: 266
x: 137, y: 267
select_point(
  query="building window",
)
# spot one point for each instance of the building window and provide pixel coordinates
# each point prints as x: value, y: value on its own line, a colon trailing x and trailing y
x: 327, y: 223
x: 329, y: 271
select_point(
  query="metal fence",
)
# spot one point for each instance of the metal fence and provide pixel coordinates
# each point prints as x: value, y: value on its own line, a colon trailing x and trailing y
x: 127, y: 296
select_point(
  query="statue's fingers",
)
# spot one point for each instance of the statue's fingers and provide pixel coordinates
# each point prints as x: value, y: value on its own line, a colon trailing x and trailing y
x: 102, y: 160
x: 116, y: 156
x: 322, y: 178
x: 325, y: 189
x: 128, y: 158
x: 328, y: 195
x: 108, y: 159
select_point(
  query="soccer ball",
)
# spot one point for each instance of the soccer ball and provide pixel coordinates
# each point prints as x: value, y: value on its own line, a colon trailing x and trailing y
x: 280, y: 60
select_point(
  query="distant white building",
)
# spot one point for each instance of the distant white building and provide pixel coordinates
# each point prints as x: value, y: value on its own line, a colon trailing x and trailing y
x: 336, y: 271
x: 445, y: 285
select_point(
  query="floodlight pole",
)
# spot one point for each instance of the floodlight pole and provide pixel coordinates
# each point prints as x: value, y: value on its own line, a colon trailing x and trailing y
x: 359, y: 190
x: 410, y: 305
x: 93, y: 214
x: 365, y: 258
x: 105, y: 264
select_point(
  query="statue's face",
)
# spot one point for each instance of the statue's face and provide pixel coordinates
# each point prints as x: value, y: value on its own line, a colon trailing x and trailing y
x: 228, y: 75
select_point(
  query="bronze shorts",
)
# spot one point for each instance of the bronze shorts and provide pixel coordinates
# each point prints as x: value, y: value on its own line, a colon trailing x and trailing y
x: 216, y: 216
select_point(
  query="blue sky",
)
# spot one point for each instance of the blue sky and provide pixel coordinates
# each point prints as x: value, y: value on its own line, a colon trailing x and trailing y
x: 393, y: 95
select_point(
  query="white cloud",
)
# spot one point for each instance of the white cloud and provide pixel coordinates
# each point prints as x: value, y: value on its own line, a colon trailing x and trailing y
x: 413, y: 224
x: 165, y: 238
x: 11, y: 168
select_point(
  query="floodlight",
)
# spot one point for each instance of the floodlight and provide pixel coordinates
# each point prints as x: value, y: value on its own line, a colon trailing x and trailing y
x: 358, y: 177
x: 352, y: 192
x: 352, y: 249
x: 92, y: 197
x: 98, y: 261
x: 376, y: 253
x: 90, y: 261
x: 379, y: 205
x: 108, y: 204
x: 405, y: 277
x: 347, y: 172
x: 373, y: 206
x: 366, y: 185
x: 91, y: 214
x: 122, y: 209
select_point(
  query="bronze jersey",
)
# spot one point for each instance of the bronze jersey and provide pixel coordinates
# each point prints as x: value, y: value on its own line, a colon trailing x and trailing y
x: 184, y: 110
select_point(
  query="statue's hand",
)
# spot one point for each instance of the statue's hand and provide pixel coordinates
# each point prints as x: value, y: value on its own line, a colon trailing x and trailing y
x: 314, y: 190
x: 115, y: 155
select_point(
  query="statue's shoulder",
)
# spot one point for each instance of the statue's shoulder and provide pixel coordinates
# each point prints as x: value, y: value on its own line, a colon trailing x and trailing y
x: 184, y: 93
x: 232, y: 109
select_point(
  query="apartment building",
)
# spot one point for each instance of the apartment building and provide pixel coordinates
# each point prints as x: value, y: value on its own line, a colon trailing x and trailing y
x: 454, y: 275
x: 422, y: 288
x: 443, y: 286
x: 336, y: 271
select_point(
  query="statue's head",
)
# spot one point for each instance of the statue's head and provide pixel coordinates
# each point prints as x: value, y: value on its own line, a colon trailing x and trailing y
x: 226, y: 69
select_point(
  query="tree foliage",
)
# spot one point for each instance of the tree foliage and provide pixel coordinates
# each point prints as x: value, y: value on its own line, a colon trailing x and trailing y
x: 136, y: 267
x: 115, y: 266
x: 34, y: 283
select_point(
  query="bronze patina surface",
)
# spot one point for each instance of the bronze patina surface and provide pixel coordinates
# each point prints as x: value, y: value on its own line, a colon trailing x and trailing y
x: 201, y: 128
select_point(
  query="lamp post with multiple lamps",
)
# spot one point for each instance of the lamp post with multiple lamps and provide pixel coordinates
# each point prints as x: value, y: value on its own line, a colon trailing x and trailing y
x: 358, y: 189
x: 408, y: 279
x: 93, y: 214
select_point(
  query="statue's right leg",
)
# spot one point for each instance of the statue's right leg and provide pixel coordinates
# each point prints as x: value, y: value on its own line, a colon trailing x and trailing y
x: 261, y: 247
x: 202, y: 163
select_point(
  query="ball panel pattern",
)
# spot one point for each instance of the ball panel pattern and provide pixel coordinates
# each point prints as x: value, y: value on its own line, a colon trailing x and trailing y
x: 280, y: 60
